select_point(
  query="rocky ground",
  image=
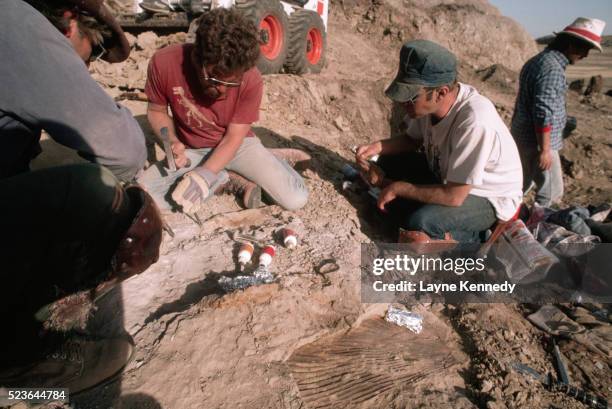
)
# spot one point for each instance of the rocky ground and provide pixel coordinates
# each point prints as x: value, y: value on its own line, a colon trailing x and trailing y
x: 306, y: 340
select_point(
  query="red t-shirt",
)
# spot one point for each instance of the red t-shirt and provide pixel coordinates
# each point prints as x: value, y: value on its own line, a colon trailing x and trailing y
x: 200, y: 121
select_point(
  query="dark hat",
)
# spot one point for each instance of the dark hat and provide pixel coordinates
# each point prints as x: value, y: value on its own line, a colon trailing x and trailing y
x: 117, y: 46
x: 422, y: 64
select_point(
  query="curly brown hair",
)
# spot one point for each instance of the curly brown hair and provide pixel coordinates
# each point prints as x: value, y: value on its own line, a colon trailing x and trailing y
x: 227, y: 40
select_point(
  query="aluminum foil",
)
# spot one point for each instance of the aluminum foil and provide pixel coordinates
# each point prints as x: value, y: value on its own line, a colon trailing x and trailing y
x: 260, y: 276
x: 403, y: 318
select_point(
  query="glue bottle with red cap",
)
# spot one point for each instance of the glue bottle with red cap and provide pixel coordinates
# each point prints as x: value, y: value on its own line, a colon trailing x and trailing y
x: 267, y: 253
x: 289, y: 238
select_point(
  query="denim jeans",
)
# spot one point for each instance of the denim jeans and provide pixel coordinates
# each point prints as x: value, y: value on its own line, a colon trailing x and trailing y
x: 253, y: 161
x: 466, y: 223
x: 549, y: 183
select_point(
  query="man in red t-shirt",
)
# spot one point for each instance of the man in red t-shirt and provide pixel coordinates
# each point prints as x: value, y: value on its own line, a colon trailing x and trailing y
x: 214, y: 92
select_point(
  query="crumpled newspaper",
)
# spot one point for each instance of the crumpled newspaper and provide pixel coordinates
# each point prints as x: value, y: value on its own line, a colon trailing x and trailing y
x: 403, y: 318
x: 260, y: 276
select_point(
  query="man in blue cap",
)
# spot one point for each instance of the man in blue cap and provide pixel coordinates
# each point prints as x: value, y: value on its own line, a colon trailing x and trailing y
x: 457, y: 171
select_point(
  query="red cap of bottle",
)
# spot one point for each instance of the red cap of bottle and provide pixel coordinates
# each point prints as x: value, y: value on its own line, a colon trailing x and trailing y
x: 269, y: 250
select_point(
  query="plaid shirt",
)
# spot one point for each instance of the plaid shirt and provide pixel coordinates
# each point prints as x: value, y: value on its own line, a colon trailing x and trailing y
x: 540, y: 104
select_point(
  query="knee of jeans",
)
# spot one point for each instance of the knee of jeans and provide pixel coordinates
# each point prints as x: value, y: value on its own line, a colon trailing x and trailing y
x: 424, y: 220
x: 295, y: 200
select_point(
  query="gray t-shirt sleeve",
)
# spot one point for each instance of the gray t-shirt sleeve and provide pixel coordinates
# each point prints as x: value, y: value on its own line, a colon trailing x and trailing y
x: 46, y: 85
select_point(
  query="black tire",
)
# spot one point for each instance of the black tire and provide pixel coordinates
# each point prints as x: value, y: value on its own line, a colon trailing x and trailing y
x: 306, y: 27
x: 261, y: 13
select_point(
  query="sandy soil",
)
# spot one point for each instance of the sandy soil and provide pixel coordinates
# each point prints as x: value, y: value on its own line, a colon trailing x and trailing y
x: 280, y: 345
x: 598, y: 63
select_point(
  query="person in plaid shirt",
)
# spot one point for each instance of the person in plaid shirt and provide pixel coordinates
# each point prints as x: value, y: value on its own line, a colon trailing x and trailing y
x: 540, y: 114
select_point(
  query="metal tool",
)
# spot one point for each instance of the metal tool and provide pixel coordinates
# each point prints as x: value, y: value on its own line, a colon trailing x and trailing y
x: 168, y: 229
x: 195, y: 218
x: 170, y: 161
x: 168, y: 149
x: 580, y: 395
x: 561, y: 367
x: 172, y: 168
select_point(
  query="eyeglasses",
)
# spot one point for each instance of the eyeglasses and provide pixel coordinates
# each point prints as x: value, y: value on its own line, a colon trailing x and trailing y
x: 413, y: 99
x: 97, y: 52
x: 215, y: 81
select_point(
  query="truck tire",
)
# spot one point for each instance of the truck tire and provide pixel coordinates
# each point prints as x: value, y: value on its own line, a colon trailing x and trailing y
x: 272, y: 21
x: 307, y: 43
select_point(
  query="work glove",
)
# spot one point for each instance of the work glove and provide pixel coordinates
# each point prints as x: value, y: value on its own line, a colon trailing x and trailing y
x: 196, y: 187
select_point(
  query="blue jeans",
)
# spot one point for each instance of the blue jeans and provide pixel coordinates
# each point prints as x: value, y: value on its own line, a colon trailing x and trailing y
x: 253, y: 161
x: 466, y: 223
x: 549, y: 183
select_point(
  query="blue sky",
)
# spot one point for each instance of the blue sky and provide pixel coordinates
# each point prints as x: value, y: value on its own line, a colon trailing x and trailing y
x: 542, y: 17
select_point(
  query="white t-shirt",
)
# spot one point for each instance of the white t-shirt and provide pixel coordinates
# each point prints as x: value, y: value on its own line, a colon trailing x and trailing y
x: 472, y: 145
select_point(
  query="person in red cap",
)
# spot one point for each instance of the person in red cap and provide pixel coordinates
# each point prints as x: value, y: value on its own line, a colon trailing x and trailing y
x: 540, y: 115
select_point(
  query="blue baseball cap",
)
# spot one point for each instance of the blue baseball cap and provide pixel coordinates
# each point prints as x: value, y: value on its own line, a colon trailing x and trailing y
x: 422, y: 63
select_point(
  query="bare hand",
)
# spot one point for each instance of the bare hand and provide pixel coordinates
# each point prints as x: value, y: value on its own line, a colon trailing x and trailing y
x: 387, y: 195
x: 180, y: 158
x: 545, y: 160
x: 364, y: 152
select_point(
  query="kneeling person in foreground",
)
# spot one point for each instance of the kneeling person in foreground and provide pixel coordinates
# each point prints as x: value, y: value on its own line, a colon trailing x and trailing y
x: 76, y: 233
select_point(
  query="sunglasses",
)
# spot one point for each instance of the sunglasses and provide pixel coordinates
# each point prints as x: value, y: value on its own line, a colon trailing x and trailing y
x: 215, y: 81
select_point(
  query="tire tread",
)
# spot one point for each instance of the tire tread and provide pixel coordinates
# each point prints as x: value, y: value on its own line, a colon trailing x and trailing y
x: 299, y: 24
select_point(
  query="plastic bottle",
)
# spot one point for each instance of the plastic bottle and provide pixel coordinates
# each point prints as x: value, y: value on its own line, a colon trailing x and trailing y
x: 245, y: 253
x: 266, y: 256
x: 289, y: 238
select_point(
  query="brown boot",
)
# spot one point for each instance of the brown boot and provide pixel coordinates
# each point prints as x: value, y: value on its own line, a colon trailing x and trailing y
x: 78, y: 364
x: 421, y: 243
x: 239, y: 185
x: 296, y: 158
